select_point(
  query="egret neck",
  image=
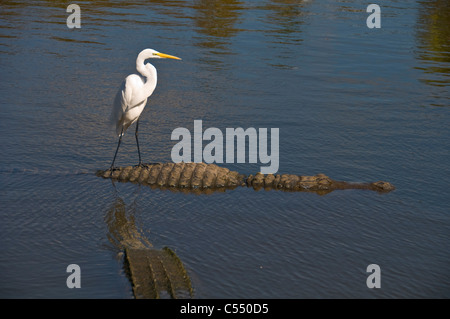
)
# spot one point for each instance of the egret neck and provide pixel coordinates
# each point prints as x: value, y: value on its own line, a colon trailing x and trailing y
x: 148, y: 71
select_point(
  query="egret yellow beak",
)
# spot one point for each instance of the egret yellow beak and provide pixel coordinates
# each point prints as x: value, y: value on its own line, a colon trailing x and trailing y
x: 167, y: 56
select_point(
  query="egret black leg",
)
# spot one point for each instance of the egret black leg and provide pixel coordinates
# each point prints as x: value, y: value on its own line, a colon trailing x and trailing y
x: 117, y: 149
x: 137, y: 142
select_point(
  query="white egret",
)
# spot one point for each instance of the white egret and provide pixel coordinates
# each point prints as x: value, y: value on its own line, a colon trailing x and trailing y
x: 132, y: 96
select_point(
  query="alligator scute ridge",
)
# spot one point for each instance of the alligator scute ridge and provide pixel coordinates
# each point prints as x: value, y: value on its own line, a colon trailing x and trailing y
x: 202, y: 176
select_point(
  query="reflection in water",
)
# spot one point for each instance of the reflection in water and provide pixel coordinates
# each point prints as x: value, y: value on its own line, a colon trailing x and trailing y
x: 153, y: 273
x: 433, y: 34
x: 121, y: 222
x: 217, y: 18
x: 215, y: 22
x: 286, y: 18
x: 218, y: 22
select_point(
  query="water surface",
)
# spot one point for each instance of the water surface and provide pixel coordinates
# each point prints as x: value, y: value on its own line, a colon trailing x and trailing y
x: 355, y: 103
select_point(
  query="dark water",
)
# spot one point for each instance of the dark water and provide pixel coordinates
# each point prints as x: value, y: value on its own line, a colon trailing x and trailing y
x: 355, y: 103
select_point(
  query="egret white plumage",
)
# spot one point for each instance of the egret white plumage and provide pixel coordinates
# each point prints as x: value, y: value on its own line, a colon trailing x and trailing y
x: 132, y: 96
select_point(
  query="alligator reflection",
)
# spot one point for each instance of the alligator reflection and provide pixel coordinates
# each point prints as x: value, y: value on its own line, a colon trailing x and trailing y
x: 153, y: 273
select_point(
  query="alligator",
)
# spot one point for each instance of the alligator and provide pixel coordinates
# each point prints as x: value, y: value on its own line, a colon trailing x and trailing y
x: 159, y: 273
x: 202, y: 177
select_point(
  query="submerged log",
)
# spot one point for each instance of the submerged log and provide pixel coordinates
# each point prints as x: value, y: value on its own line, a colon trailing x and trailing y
x: 201, y: 176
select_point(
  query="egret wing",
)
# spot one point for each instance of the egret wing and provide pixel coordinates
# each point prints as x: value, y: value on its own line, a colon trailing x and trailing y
x: 124, y: 100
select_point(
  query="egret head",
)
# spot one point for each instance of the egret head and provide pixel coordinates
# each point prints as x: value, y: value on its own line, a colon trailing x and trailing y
x: 153, y: 54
